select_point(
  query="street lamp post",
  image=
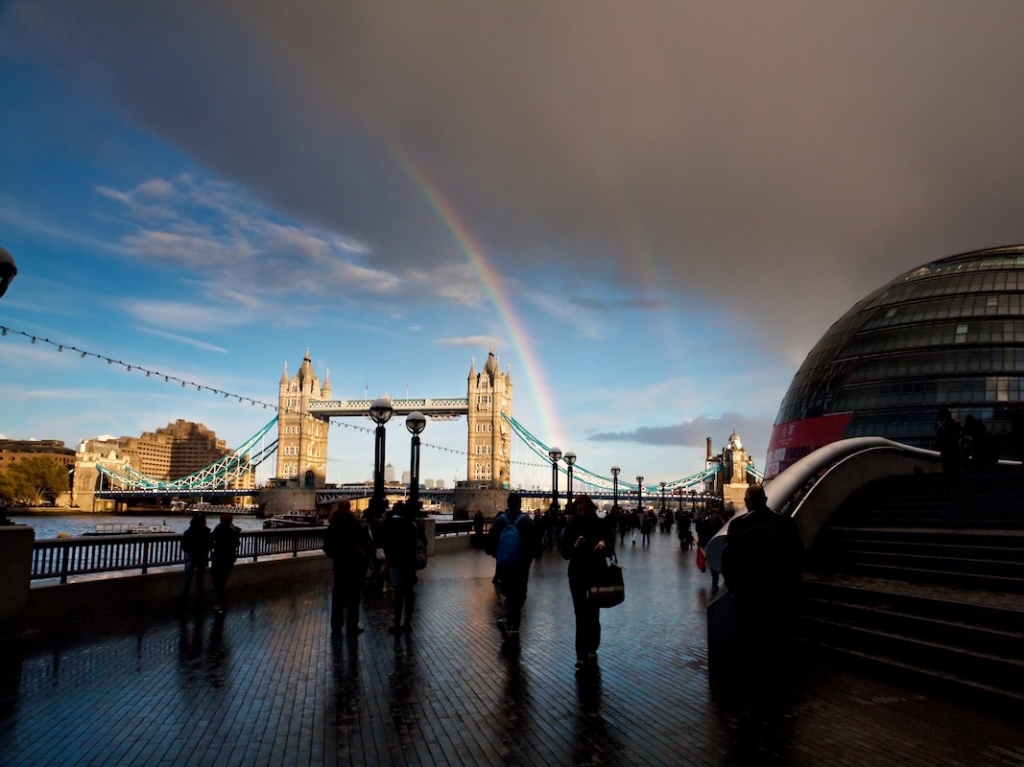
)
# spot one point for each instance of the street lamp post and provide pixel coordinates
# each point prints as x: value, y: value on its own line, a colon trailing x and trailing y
x: 380, y: 411
x: 415, y: 422
x: 663, y: 496
x: 8, y: 270
x: 555, y: 454
x: 640, y: 494
x: 615, y: 486
x: 570, y: 460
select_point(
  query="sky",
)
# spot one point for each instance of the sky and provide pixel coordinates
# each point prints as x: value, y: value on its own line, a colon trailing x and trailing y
x: 651, y: 211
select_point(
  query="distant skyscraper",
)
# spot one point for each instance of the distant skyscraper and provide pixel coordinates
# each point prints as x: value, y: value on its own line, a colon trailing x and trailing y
x: 406, y: 477
x: 389, y: 473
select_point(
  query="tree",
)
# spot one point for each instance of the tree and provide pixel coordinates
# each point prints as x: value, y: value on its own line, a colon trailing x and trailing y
x: 33, y: 481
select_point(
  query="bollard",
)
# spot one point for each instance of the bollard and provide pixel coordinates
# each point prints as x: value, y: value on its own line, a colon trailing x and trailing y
x: 16, y: 543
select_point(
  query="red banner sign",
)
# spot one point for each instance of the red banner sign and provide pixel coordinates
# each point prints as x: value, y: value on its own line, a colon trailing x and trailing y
x: 792, y: 441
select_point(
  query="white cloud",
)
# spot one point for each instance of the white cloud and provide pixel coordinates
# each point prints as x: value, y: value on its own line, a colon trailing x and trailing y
x: 183, y: 316
x: 472, y: 342
x: 207, y: 347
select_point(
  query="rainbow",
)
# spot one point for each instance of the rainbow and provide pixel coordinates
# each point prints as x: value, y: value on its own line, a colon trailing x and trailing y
x: 493, y: 286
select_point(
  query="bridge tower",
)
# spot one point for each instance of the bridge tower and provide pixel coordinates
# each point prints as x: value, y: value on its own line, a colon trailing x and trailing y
x: 489, y: 394
x: 301, y: 437
x: 733, y: 477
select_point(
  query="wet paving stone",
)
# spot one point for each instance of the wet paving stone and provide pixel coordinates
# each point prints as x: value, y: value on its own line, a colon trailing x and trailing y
x: 266, y: 684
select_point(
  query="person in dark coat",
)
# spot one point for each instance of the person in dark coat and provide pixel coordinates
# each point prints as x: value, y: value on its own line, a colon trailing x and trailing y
x: 398, y: 536
x: 979, y: 447
x: 707, y: 527
x: 226, y: 537
x: 762, y: 562
x: 587, y: 542
x: 478, y: 530
x: 196, y: 544
x: 650, y: 521
x: 513, y: 574
x: 347, y: 543
x: 948, y: 441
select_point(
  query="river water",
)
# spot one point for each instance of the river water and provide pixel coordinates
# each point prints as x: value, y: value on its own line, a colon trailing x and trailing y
x: 59, y: 525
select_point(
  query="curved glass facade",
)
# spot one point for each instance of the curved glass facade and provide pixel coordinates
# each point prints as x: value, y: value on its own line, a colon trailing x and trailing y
x: 946, y: 334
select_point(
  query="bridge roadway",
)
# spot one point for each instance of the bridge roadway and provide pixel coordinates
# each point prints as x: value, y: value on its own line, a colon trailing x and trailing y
x: 266, y: 685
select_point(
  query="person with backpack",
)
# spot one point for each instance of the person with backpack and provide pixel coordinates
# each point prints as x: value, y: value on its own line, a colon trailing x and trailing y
x: 514, y: 543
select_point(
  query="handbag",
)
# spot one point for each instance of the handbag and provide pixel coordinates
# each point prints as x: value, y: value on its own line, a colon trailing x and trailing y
x: 702, y: 560
x: 608, y: 588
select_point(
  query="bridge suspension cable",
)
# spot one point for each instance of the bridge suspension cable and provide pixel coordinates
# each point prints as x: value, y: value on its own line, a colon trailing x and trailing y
x: 597, y: 480
x: 219, y: 475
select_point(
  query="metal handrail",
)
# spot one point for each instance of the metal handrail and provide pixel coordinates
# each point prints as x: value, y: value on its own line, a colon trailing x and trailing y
x: 789, y: 485
x: 65, y: 557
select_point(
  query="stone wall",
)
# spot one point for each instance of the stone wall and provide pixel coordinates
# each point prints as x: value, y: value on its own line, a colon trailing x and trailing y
x: 490, y: 502
x: 274, y: 501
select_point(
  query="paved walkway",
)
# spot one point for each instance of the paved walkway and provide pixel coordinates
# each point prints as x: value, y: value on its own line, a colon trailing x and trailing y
x: 267, y: 686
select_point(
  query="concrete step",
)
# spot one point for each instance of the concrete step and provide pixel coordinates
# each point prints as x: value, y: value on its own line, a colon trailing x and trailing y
x: 1004, y: 563
x: 952, y: 630
x: 838, y: 549
x: 978, y: 607
x: 968, y: 690
x: 971, y: 580
x: 995, y: 671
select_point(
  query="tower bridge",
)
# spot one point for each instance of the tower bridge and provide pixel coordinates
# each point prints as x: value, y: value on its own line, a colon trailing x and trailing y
x: 305, y: 407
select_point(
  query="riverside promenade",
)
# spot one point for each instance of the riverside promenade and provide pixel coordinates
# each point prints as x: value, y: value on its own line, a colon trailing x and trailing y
x: 267, y: 685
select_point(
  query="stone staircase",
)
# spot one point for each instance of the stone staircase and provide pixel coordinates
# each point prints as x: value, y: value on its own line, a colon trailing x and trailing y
x: 923, y: 577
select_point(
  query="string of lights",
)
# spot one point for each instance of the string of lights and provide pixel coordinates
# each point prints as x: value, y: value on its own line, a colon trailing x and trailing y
x: 199, y: 387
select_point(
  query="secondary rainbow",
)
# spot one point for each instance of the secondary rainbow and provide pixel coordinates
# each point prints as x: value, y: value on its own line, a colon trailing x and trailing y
x: 493, y: 285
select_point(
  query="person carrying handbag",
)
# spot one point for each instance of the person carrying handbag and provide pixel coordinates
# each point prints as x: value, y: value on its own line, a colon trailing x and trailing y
x: 587, y: 542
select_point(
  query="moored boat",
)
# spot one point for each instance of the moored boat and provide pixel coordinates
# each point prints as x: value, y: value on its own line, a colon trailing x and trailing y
x: 294, y: 519
x: 120, y: 528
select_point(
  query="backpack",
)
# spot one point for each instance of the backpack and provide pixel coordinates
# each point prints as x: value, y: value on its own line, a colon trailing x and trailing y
x: 510, y: 544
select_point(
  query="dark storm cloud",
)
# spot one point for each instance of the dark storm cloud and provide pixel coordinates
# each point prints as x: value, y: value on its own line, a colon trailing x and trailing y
x: 783, y: 157
x: 629, y: 303
x: 689, y: 433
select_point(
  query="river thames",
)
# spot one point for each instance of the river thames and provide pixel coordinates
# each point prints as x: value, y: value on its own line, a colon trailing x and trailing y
x: 60, y: 525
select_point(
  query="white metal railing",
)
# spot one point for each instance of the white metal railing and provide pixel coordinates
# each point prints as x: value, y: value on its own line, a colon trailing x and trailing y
x: 815, y: 499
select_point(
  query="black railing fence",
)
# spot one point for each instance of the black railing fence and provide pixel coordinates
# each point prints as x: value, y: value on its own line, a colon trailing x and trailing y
x: 65, y: 557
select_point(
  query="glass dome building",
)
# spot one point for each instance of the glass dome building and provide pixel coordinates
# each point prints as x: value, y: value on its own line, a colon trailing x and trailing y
x: 946, y: 334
